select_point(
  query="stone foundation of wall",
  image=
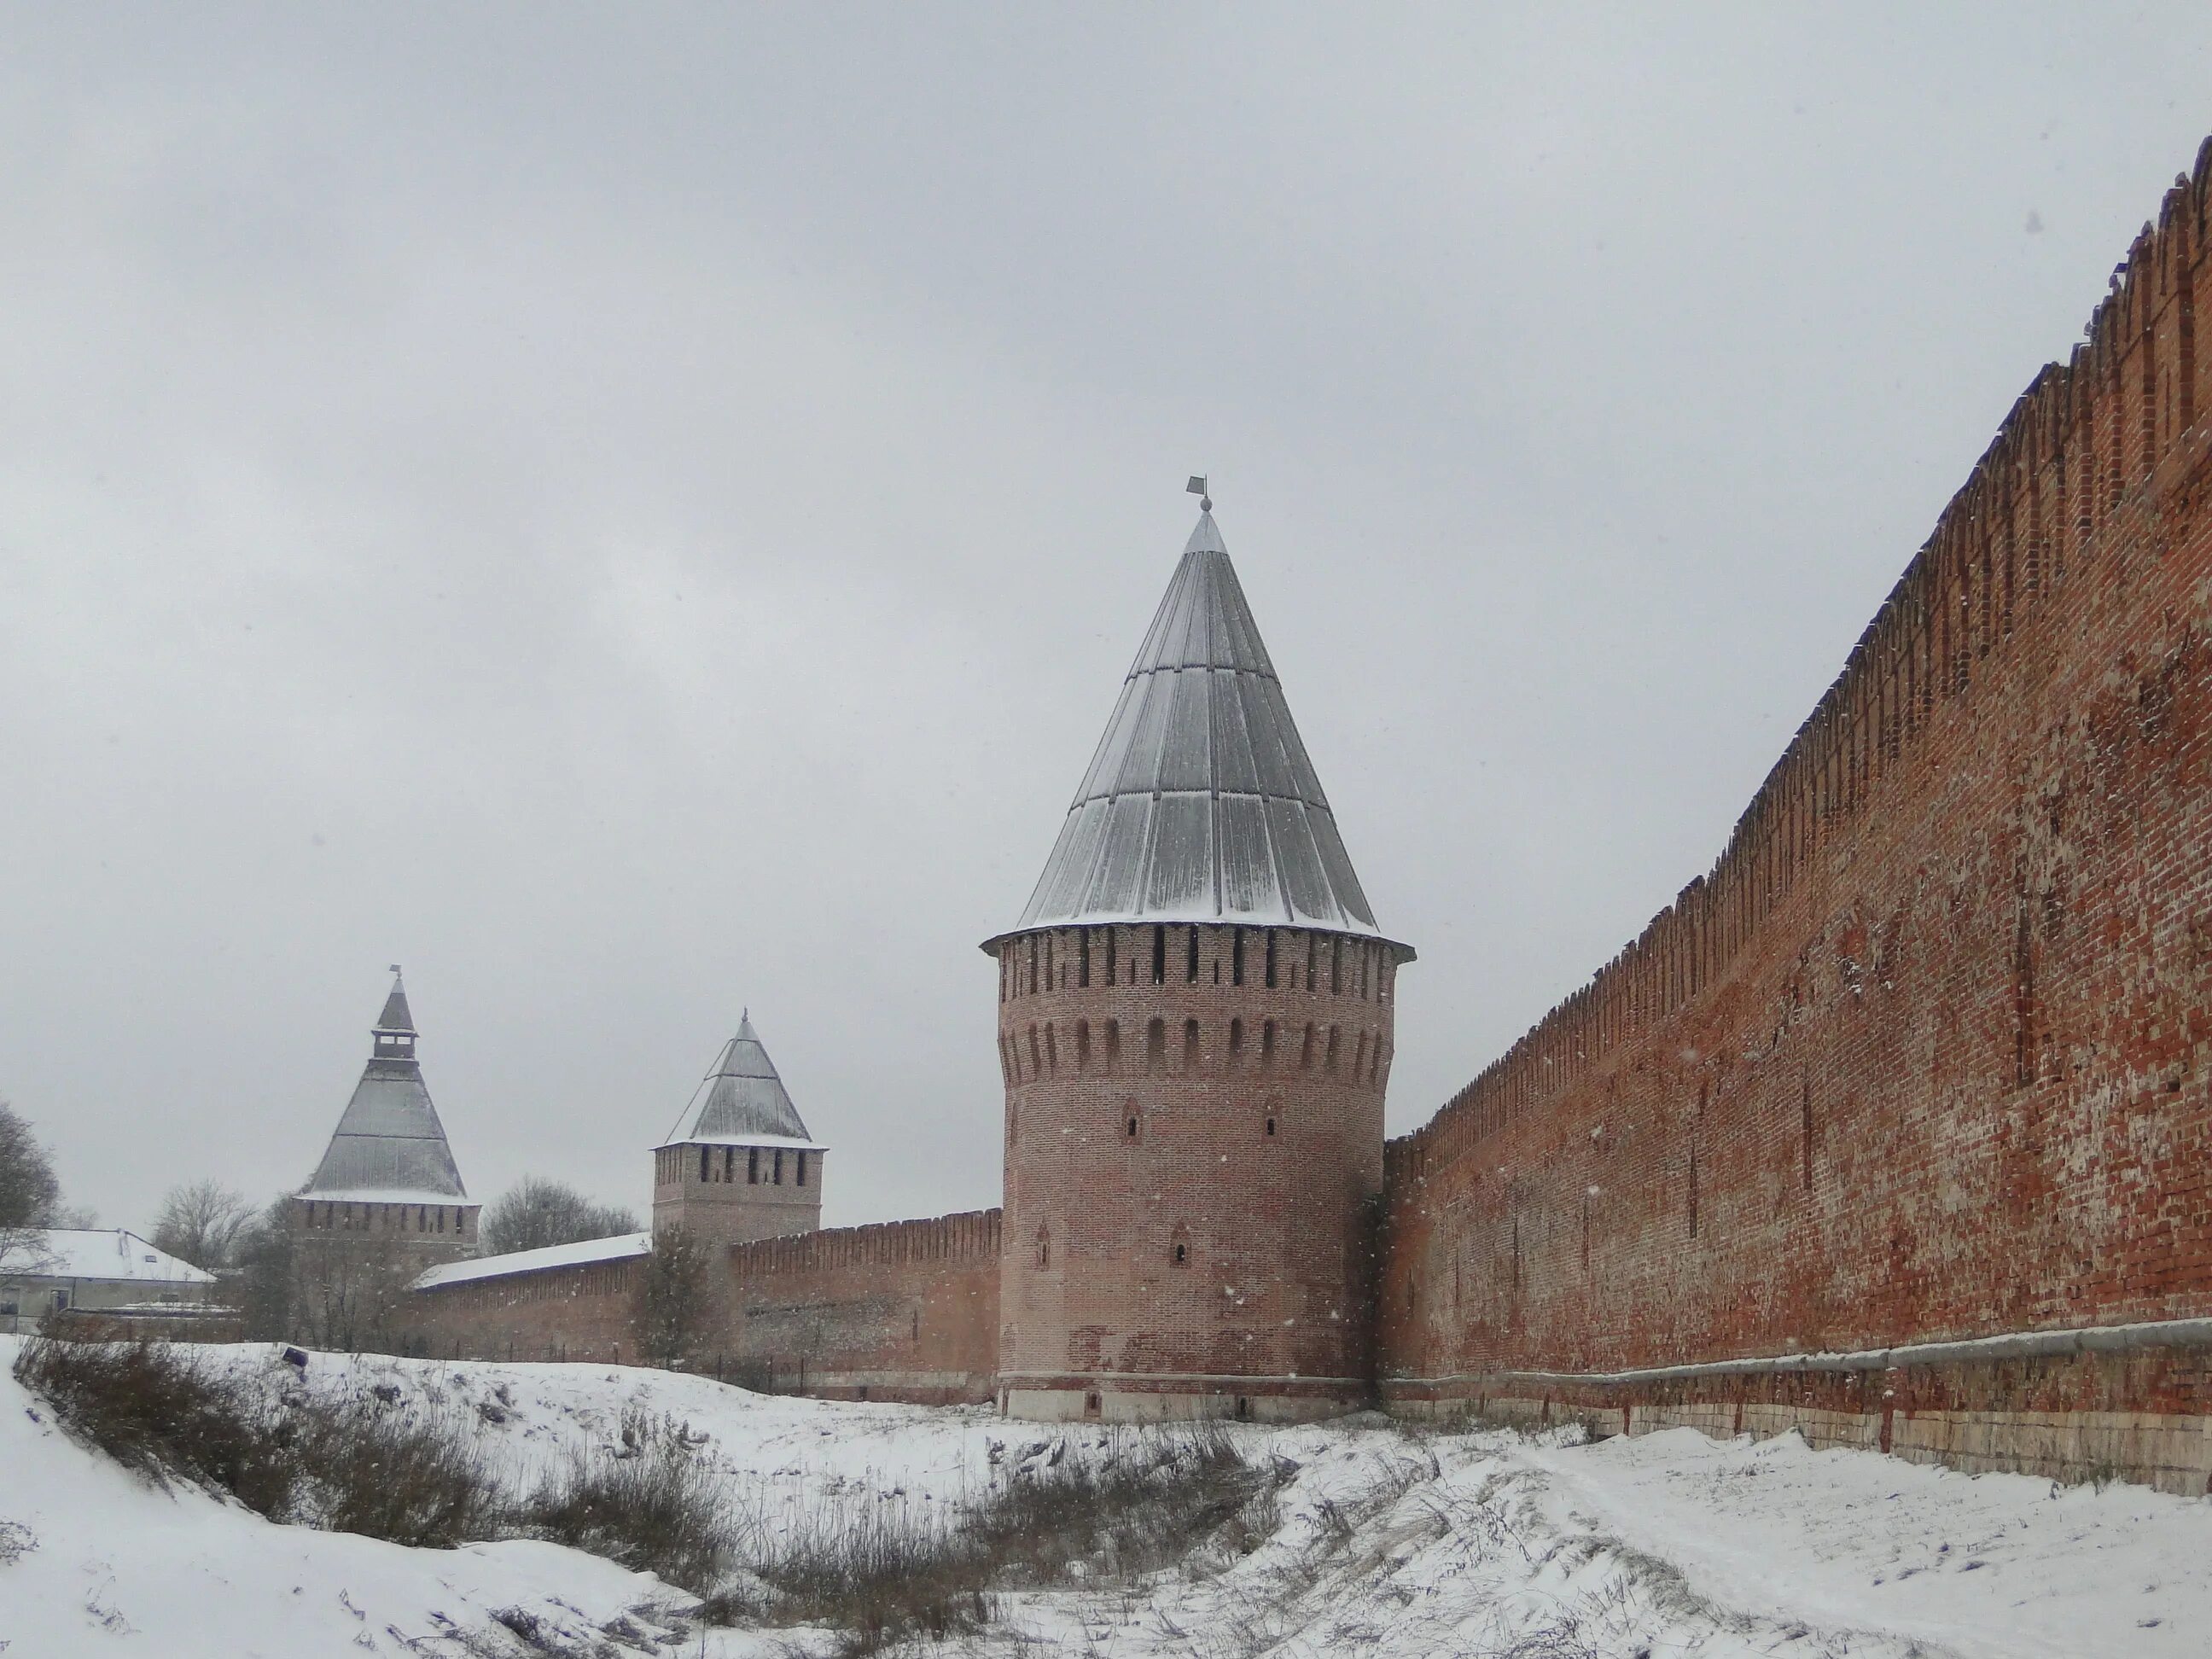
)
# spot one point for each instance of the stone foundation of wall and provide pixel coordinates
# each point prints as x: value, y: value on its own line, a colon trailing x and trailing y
x: 2116, y: 1402
x: 1167, y: 1399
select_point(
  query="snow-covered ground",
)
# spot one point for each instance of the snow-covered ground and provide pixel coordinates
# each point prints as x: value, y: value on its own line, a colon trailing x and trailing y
x: 1389, y: 1544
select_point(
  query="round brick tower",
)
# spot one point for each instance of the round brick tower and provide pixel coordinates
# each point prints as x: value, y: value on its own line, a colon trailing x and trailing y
x: 1194, y: 1026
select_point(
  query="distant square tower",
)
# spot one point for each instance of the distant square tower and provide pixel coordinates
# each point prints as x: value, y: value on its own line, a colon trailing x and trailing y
x: 741, y: 1166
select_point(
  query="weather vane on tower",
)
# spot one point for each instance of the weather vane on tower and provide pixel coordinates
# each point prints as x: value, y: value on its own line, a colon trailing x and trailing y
x: 1197, y: 486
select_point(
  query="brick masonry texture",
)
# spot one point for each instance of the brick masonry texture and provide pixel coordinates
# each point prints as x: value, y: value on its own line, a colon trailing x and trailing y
x: 428, y: 1233
x: 1924, y: 1055
x: 907, y: 1310
x: 1192, y: 1157
x: 707, y: 1189
x: 903, y: 1311
x: 589, y: 1311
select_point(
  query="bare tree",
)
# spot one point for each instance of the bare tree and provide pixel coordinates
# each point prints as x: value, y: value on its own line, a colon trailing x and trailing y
x: 348, y: 1294
x: 268, y: 1293
x: 678, y: 1298
x: 535, y: 1212
x: 201, y: 1222
x: 28, y: 1189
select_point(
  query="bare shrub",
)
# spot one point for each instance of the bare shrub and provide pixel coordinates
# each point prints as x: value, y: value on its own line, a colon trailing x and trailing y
x: 168, y: 1414
x: 881, y: 1571
x: 1144, y: 1501
x: 374, y: 1468
x: 649, y: 1503
x: 165, y: 1414
x: 887, y: 1572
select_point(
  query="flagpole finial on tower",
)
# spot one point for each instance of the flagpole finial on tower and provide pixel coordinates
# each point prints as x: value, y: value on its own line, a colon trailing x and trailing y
x: 1197, y: 486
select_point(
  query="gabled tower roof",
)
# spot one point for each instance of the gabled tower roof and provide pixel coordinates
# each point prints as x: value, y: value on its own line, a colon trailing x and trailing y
x: 1201, y: 804
x: 742, y: 1099
x: 390, y: 1146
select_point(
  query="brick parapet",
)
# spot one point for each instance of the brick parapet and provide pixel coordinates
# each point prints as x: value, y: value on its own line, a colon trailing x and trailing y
x: 587, y: 1310
x: 1924, y: 1055
x: 966, y: 1236
x: 2117, y: 420
x: 897, y: 1310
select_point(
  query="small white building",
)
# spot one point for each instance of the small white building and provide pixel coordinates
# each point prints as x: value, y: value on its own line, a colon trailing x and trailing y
x: 96, y: 1271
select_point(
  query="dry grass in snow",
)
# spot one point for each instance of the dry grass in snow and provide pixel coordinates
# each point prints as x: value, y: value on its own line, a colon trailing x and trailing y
x: 825, y: 1529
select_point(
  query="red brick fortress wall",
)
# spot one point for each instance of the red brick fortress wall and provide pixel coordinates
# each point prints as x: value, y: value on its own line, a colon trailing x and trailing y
x: 584, y: 1311
x: 1923, y: 1057
x: 903, y: 1311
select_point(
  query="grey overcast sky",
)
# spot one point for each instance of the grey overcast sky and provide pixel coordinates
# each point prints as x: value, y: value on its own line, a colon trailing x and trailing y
x: 639, y: 512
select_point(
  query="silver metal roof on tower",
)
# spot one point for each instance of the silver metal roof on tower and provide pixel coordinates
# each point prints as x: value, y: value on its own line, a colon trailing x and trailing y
x: 396, y: 1016
x: 742, y: 1100
x: 390, y: 1147
x: 1201, y: 804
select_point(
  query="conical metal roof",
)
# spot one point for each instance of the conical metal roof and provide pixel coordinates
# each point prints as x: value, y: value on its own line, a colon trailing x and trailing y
x: 1201, y: 804
x: 742, y: 1098
x: 390, y: 1146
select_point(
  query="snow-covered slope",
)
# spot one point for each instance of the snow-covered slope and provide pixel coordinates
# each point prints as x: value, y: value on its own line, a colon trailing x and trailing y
x: 1389, y: 1544
x: 93, y: 1561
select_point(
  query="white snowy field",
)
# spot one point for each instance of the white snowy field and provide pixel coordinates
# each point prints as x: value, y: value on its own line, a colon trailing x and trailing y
x: 1475, y: 1544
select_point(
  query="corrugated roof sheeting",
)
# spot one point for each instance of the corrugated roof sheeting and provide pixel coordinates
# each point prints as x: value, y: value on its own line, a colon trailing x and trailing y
x: 389, y: 1138
x: 742, y: 1095
x: 1201, y: 803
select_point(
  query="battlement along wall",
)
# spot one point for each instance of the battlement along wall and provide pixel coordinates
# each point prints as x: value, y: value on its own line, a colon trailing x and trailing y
x: 1922, y: 1058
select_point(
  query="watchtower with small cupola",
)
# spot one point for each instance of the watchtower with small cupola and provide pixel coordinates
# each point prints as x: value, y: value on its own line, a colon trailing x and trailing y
x: 385, y: 1202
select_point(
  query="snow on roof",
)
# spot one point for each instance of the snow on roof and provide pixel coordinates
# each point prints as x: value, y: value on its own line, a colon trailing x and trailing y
x: 786, y: 1142
x: 741, y: 1102
x: 389, y: 1138
x: 99, y: 1252
x: 618, y: 1247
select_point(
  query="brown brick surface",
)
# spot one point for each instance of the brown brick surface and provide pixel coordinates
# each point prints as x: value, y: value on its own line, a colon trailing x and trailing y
x: 1923, y: 1055
x: 907, y: 1310
x: 1199, y: 1254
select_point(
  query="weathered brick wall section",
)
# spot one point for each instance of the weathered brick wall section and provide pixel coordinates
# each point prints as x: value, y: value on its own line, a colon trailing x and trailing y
x: 903, y: 1311
x: 587, y: 1311
x: 1923, y: 1055
x: 1193, y: 1142
x: 735, y: 1195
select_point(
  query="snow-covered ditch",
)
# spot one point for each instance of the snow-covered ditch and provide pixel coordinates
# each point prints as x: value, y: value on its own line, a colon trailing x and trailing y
x: 1386, y: 1543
